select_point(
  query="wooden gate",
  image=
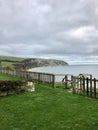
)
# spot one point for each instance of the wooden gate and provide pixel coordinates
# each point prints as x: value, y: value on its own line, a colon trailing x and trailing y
x: 83, y: 84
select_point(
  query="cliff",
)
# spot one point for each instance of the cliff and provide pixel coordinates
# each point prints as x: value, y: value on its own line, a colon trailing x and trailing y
x: 37, y: 62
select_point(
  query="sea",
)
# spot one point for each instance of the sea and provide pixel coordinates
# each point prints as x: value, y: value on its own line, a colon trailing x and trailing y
x: 74, y: 70
x: 70, y: 69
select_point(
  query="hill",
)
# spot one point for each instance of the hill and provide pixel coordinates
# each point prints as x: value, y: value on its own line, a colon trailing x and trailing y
x: 11, y: 58
x: 38, y: 62
x: 27, y: 63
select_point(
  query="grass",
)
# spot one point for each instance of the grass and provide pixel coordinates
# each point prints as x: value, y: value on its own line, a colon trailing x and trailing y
x: 11, y: 58
x: 7, y: 77
x: 48, y: 109
x: 5, y: 64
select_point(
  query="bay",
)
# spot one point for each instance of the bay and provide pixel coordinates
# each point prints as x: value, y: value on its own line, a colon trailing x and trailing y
x: 71, y: 69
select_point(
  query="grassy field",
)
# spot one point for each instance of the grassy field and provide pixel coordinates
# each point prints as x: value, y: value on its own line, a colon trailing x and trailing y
x: 11, y: 58
x: 5, y: 64
x: 7, y: 77
x: 48, y: 109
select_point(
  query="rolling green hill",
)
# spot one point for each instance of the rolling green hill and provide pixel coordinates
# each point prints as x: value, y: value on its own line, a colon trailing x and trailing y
x: 11, y: 58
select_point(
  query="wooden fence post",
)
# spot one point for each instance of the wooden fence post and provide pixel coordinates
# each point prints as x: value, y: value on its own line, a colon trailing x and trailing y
x: 73, y: 84
x: 81, y: 85
x: 87, y: 86
x: 90, y: 86
x: 77, y: 80
x: 53, y: 81
x: 66, y: 81
x: 84, y: 86
x: 94, y: 87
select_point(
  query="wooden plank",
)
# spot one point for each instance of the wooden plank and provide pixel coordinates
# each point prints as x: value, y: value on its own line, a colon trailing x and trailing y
x: 66, y: 85
x: 84, y: 86
x: 53, y: 81
x: 91, y: 86
x: 73, y: 85
x: 78, y: 85
x: 94, y: 88
x: 38, y: 77
x: 81, y: 85
x: 87, y: 81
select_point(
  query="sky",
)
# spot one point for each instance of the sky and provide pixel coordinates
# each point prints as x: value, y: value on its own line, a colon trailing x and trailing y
x: 57, y: 29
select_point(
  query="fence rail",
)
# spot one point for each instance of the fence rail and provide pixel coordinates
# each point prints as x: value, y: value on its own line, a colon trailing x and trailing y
x: 82, y: 84
x: 31, y: 76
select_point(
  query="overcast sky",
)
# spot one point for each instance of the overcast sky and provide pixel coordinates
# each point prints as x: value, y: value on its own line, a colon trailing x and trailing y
x: 61, y: 29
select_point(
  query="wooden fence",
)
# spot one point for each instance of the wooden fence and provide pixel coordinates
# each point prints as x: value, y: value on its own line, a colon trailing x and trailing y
x: 67, y: 81
x: 31, y: 76
x: 82, y: 84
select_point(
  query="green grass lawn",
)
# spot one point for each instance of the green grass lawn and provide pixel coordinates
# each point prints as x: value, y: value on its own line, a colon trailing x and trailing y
x: 48, y: 109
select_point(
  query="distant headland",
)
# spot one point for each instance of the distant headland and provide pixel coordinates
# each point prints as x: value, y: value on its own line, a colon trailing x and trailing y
x: 27, y: 63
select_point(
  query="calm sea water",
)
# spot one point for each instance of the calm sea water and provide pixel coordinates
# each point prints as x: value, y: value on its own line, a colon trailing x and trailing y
x: 71, y: 69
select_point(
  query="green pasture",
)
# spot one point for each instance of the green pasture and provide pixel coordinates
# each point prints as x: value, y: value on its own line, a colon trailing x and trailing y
x: 48, y: 109
x: 7, y: 77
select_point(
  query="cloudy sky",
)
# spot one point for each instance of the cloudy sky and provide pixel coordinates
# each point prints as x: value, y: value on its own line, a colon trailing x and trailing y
x: 61, y: 29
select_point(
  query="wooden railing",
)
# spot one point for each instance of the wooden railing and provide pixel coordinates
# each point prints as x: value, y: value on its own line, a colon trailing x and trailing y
x: 82, y: 84
x: 31, y: 76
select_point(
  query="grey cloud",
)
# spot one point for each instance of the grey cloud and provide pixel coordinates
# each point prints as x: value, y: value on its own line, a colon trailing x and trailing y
x: 48, y: 27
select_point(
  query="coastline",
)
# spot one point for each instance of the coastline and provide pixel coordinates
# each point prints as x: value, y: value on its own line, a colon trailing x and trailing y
x: 71, y: 69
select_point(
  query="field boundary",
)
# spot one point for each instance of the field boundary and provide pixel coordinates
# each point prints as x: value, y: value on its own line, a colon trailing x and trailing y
x: 31, y: 76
